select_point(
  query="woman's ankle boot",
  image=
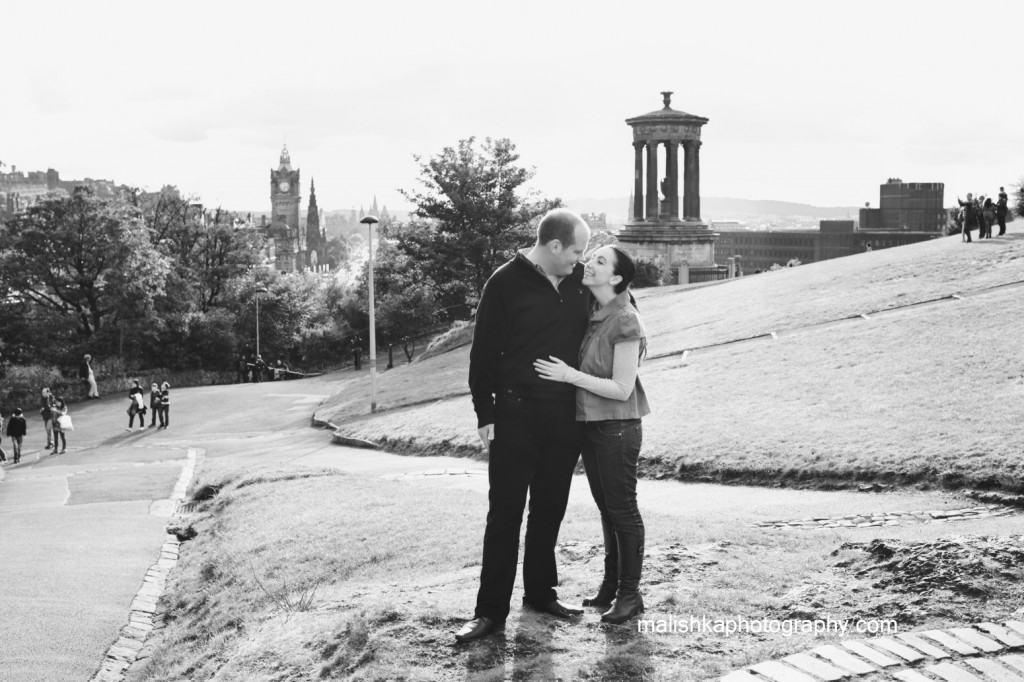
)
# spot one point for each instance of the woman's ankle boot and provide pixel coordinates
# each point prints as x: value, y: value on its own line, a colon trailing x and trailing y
x: 628, y: 602
x: 606, y: 593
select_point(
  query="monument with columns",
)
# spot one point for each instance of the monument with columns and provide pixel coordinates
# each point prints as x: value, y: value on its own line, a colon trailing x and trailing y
x: 657, y: 229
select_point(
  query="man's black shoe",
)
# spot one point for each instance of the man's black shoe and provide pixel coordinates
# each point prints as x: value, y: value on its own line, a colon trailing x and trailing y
x: 477, y: 628
x: 556, y: 608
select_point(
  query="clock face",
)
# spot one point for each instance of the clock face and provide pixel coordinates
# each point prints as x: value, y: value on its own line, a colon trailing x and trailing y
x: 284, y: 185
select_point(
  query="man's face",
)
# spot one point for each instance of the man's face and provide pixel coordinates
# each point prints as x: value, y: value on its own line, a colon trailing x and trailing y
x: 566, y: 257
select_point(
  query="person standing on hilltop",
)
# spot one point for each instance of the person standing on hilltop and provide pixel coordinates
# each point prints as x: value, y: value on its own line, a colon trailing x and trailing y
x: 988, y: 216
x: 533, y: 306
x: 610, y: 404
x: 1001, y: 210
x: 970, y: 216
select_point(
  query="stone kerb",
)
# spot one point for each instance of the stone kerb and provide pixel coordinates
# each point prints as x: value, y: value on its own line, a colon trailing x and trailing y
x: 145, y: 616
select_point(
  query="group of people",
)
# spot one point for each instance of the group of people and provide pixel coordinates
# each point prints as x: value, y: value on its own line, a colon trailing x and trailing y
x: 159, y: 405
x: 554, y: 376
x: 255, y: 370
x: 56, y: 422
x: 981, y: 213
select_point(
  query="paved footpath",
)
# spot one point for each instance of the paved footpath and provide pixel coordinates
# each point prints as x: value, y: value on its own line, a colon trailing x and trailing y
x: 982, y: 652
x: 84, y: 553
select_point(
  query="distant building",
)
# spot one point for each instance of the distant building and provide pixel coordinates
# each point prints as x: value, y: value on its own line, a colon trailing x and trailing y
x: 285, y: 238
x: 833, y: 239
x: 914, y: 206
x: 20, y: 190
x: 596, y: 221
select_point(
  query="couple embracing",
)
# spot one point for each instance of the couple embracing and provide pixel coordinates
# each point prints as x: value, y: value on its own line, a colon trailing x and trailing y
x: 553, y: 374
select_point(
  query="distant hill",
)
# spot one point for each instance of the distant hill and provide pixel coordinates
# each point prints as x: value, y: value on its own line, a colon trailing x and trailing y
x: 722, y: 208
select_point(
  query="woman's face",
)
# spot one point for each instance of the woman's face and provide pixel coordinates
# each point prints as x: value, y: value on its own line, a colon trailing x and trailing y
x: 600, y: 269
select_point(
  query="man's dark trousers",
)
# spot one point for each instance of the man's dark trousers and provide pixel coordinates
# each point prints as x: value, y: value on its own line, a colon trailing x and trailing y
x: 535, y: 448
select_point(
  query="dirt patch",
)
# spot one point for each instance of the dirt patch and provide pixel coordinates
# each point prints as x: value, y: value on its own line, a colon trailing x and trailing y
x: 960, y: 578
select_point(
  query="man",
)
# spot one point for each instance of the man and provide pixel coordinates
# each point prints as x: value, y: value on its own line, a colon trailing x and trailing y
x: 971, y: 216
x: 1001, y: 210
x: 534, y: 306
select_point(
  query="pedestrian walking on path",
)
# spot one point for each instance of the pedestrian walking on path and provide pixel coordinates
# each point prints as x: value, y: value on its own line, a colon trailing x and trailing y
x: 136, y: 406
x: 61, y: 424
x: 46, y: 412
x: 3, y: 455
x: 165, y: 405
x: 610, y: 402
x: 17, y: 428
x: 154, y: 405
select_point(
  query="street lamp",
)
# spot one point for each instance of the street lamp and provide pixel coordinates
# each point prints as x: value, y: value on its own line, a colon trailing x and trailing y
x: 370, y: 221
x: 259, y: 291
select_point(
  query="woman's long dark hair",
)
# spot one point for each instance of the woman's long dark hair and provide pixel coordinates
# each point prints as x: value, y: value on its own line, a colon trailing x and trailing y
x: 625, y: 267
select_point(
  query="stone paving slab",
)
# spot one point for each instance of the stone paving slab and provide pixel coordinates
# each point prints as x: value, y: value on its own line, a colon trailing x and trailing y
x: 895, y: 518
x: 981, y: 652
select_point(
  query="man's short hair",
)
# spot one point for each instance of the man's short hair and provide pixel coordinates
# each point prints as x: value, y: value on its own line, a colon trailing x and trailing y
x: 560, y: 224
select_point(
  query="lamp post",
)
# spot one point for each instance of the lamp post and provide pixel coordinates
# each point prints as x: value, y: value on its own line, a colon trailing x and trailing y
x: 259, y: 291
x: 370, y: 221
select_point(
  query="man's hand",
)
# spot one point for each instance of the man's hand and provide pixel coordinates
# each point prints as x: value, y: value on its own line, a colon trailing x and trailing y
x: 486, y: 435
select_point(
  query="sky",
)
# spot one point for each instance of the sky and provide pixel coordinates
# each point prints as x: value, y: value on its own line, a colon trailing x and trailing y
x: 814, y: 102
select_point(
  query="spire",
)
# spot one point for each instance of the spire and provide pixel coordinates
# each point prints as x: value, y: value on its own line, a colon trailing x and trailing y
x: 373, y: 209
x: 312, y: 219
x: 362, y: 213
x: 286, y: 159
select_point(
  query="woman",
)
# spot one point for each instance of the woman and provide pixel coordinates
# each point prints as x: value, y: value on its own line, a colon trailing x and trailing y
x: 610, y: 401
x: 60, y: 408
x: 137, y: 407
x: 46, y: 412
x: 988, y: 216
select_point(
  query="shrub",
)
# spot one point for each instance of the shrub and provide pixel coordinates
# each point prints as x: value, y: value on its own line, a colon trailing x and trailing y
x: 23, y: 384
x: 649, y: 273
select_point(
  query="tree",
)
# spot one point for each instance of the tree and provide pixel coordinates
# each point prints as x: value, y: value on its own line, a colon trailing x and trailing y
x: 406, y: 305
x: 90, y: 260
x: 472, y: 214
x: 206, y: 247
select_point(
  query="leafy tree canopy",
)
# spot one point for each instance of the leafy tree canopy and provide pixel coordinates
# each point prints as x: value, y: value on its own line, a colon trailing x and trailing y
x: 87, y: 258
x: 473, y: 211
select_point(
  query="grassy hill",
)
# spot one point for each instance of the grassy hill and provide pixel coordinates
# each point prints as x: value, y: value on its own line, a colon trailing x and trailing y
x: 900, y: 366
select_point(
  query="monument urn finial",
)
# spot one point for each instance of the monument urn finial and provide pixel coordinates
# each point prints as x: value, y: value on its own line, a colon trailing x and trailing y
x: 666, y: 97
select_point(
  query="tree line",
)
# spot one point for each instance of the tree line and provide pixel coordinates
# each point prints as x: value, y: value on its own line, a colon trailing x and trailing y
x: 157, y: 281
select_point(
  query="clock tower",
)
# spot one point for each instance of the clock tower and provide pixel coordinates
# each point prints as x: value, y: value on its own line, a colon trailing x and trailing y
x: 284, y: 192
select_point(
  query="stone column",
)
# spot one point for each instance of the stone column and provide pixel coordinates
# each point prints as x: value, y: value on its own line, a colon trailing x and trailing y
x: 638, y: 183
x: 672, y: 161
x: 687, y: 179
x: 652, y: 181
x: 695, y: 205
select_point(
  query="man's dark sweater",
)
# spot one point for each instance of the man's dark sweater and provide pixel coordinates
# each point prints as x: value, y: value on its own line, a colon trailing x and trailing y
x: 522, y: 318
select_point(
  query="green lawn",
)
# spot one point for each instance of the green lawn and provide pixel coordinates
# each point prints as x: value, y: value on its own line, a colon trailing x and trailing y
x: 927, y: 395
